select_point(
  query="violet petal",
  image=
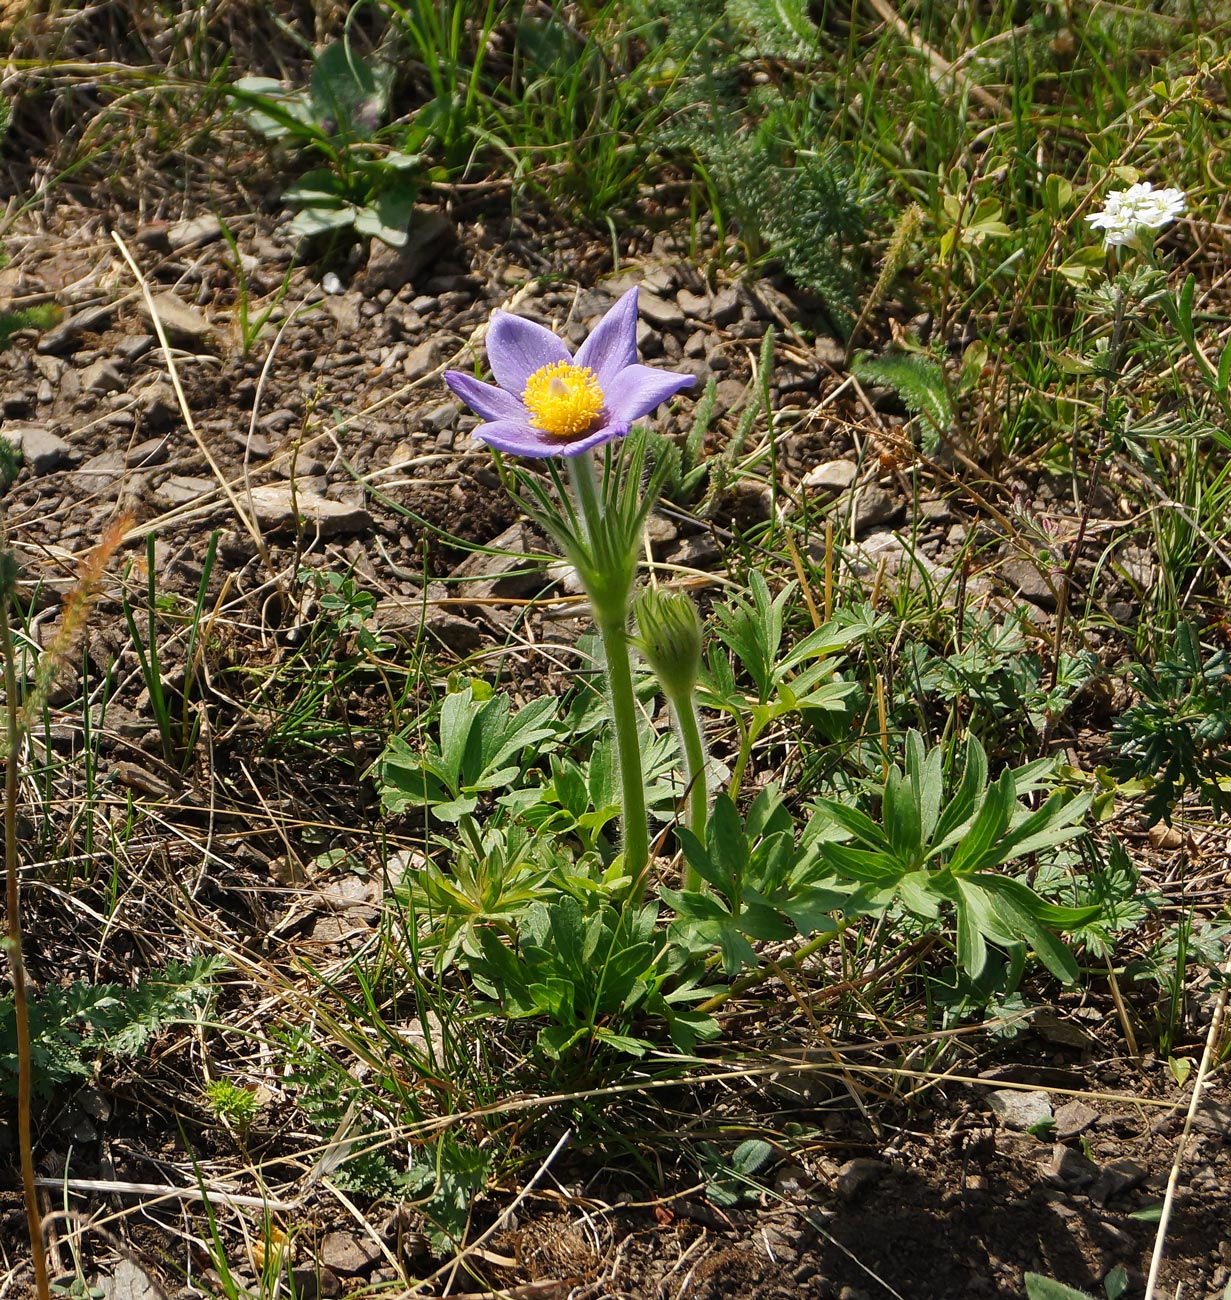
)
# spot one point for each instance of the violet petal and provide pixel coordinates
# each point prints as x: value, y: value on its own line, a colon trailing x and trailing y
x: 612, y: 344
x: 518, y: 439
x: 637, y: 390
x: 517, y: 347
x: 487, y: 400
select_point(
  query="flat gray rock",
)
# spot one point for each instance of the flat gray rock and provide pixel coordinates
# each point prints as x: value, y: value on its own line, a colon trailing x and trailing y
x: 832, y: 477
x: 184, y: 324
x: 194, y: 232
x: 1073, y: 1118
x: 41, y: 449
x: 182, y: 490
x: 275, y: 507
x: 1020, y: 1110
x: 63, y: 337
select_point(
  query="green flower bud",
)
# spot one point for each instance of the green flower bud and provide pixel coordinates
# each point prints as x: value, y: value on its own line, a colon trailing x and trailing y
x: 670, y: 639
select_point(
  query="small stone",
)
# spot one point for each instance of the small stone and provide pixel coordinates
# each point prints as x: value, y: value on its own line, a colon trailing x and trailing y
x: 830, y: 353
x: 181, y: 490
x: 510, y: 567
x: 439, y: 417
x: 661, y: 313
x: 193, y: 232
x: 314, y: 1282
x: 147, y: 454
x: 102, y: 377
x: 453, y: 632
x: 1025, y: 579
x: 42, y: 450
x: 695, y: 345
x: 183, y: 324
x: 1073, y: 1118
x: 62, y: 337
x: 135, y: 347
x: 129, y: 1281
x: 275, y: 506
x: 392, y: 268
x: 1020, y: 1110
x: 1213, y: 1116
x: 1070, y: 1169
x: 347, y: 1253
x: 694, y: 305
x: 649, y: 339
x: 873, y: 506
x: 859, y: 1176
x: 832, y: 477
x: 1115, y: 1178
x: 100, y: 471
x: 423, y: 359
x: 158, y: 404
x: 725, y: 307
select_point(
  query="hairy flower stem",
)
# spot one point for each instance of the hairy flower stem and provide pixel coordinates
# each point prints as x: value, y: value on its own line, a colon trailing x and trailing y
x: 13, y: 945
x: 610, y: 590
x: 688, y: 728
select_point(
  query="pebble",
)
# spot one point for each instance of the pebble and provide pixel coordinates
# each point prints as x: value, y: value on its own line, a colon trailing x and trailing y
x: 1119, y: 1176
x: 1020, y: 1110
x: 61, y: 338
x: 193, y: 232
x: 859, y: 1176
x: 1070, y: 1169
x: 275, y: 506
x: 833, y: 477
x: 135, y: 347
x: 144, y: 455
x: 1073, y: 1118
x: 725, y: 307
x: 41, y: 449
x: 102, y: 377
x: 183, y: 324
x: 182, y: 490
x: 423, y: 359
x: 662, y: 313
x: 873, y: 506
x: 1025, y: 579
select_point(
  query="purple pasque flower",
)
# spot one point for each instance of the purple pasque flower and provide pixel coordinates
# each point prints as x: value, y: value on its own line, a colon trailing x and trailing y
x: 551, y: 403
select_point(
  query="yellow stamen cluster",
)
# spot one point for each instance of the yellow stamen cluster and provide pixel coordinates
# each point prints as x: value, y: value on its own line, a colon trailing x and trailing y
x: 564, y: 400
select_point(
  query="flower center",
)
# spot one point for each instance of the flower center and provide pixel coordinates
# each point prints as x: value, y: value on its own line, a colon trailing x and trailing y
x: 563, y: 399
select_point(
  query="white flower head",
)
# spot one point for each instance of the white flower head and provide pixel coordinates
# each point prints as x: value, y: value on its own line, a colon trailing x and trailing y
x: 1127, y: 213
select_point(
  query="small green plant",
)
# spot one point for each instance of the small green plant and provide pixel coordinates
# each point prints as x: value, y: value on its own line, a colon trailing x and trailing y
x: 75, y: 1027
x: 370, y: 178
x: 936, y: 849
x: 1175, y: 736
x: 232, y: 1103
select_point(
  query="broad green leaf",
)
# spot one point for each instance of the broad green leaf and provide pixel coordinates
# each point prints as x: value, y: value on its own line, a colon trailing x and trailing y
x: 916, y: 893
x: 987, y: 827
x: 1039, y: 1287
x: 727, y: 844
x: 321, y: 220
x: 966, y: 800
x: 900, y: 814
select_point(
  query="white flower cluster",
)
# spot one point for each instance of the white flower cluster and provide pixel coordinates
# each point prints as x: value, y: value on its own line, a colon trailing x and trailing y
x: 1127, y: 213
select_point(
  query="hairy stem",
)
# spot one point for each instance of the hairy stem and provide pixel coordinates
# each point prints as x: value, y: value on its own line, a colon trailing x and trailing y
x: 21, y: 1013
x: 688, y: 726
x: 609, y: 600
